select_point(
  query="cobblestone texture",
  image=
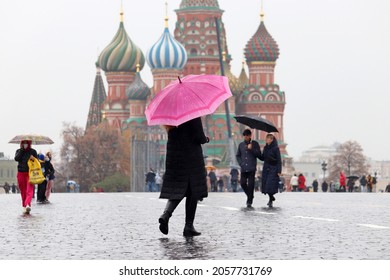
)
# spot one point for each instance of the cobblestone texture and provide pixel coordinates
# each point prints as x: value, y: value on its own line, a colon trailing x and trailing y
x: 120, y: 226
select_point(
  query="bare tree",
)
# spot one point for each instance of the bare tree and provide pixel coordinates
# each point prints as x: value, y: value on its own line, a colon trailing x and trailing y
x: 92, y: 155
x: 350, y: 159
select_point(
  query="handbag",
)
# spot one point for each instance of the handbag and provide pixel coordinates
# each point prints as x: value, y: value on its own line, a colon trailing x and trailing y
x: 35, y: 172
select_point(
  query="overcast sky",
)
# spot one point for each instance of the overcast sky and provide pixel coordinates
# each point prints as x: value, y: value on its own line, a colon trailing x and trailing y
x: 334, y: 63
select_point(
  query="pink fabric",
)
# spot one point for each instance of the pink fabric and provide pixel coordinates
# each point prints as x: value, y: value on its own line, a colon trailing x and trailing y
x: 193, y: 97
x: 49, y: 186
x: 26, y: 189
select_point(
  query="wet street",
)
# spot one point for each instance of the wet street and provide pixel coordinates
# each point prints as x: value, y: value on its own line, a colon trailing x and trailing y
x: 117, y: 226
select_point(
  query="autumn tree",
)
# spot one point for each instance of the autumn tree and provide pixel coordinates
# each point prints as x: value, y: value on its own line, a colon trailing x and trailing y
x: 93, y: 155
x: 348, y: 158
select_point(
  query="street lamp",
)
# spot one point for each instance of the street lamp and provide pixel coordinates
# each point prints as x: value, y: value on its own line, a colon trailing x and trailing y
x: 324, y: 164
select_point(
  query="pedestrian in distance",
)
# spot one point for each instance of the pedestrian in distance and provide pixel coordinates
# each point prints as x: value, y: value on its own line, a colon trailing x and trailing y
x: 185, y: 174
x: 272, y: 168
x: 213, y: 181
x: 6, y: 187
x: 247, y: 154
x: 49, y: 174
x: 301, y: 183
x: 13, y: 188
x: 388, y: 188
x: 22, y: 156
x: 220, y: 184
x: 159, y: 182
x: 343, y: 182
x: 150, y: 180
x: 282, y: 183
x: 332, y: 186
x: 234, y: 179
x: 41, y: 197
x: 294, y: 182
x: 350, y: 184
x: 369, y: 183
x: 315, y: 185
x: 324, y: 186
x: 363, y: 183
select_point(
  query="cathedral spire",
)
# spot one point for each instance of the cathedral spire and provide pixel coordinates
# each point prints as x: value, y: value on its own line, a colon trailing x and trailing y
x: 166, y: 18
x: 262, y: 11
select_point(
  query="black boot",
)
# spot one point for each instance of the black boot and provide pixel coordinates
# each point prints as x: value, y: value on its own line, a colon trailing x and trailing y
x: 164, y: 218
x: 191, y: 205
x: 189, y: 230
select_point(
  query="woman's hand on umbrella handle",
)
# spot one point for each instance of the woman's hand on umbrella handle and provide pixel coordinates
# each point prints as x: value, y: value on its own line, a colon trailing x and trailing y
x: 32, y: 157
x: 207, y: 139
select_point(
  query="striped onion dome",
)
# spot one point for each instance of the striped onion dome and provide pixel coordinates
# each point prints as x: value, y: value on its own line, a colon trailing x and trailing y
x: 121, y: 55
x: 166, y: 53
x: 137, y: 90
x: 262, y: 47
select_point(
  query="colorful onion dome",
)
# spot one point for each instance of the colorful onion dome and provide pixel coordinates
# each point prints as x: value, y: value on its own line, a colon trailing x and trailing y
x: 262, y: 47
x: 137, y: 90
x: 121, y: 55
x: 198, y: 3
x: 166, y: 53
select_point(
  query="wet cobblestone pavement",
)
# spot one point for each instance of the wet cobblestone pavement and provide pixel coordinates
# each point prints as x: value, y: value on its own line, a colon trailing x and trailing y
x: 303, y: 226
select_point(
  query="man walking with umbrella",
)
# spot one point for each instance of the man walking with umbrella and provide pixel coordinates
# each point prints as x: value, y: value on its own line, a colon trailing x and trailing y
x: 247, y: 154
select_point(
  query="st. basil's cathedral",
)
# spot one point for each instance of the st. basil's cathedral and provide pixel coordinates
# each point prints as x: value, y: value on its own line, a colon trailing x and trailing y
x: 191, y: 49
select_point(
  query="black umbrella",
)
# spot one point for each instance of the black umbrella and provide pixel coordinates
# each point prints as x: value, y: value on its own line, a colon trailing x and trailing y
x: 353, y: 177
x: 257, y: 123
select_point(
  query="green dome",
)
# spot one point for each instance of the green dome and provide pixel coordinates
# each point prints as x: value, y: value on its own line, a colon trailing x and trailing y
x: 121, y: 55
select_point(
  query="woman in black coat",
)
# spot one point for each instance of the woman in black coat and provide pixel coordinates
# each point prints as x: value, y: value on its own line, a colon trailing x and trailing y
x: 272, y: 168
x: 185, y: 173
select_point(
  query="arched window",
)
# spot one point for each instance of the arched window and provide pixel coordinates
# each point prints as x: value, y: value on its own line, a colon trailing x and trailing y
x: 210, y: 52
x: 194, y: 51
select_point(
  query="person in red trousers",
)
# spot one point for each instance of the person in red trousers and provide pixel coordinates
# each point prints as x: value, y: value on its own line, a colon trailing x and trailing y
x: 22, y: 156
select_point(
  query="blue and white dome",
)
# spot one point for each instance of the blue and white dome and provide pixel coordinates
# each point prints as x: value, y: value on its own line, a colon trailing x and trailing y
x: 166, y: 53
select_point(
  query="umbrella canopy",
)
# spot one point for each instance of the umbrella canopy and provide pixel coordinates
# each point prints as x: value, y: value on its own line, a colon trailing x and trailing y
x: 353, y: 177
x: 35, y: 139
x: 257, y: 123
x: 210, y: 167
x: 191, y: 97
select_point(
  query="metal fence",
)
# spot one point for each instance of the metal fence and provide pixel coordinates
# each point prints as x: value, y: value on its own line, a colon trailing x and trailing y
x: 147, y: 151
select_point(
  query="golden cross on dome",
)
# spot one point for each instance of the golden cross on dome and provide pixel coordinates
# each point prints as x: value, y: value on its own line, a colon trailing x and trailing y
x: 121, y: 13
x: 262, y: 11
x: 166, y: 14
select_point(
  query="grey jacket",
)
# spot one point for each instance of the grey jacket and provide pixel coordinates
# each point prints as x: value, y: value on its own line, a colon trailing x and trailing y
x: 246, y: 158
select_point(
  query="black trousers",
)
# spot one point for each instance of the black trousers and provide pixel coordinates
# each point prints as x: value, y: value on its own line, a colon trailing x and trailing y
x: 41, y: 192
x: 191, y: 205
x: 248, y: 184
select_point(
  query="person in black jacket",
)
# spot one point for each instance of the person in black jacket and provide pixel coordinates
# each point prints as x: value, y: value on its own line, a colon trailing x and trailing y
x: 49, y: 174
x: 272, y: 168
x: 234, y: 179
x: 247, y: 154
x: 22, y: 156
x: 41, y: 198
x: 324, y: 186
x: 185, y: 173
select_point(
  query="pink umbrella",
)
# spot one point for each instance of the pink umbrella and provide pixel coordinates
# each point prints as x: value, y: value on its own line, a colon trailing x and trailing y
x: 186, y: 99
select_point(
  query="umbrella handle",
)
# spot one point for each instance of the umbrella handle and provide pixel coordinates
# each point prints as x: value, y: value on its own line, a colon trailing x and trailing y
x: 179, y: 79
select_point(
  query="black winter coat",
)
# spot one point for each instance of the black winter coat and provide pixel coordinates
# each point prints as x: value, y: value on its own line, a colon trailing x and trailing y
x: 247, y: 159
x: 185, y: 169
x: 22, y: 156
x: 271, y: 168
x: 49, y: 170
